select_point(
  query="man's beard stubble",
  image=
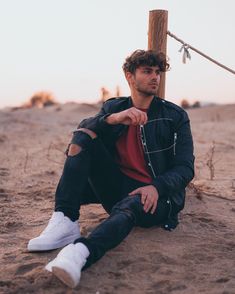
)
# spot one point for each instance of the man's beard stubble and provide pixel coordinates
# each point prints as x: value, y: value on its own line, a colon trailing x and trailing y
x: 146, y: 92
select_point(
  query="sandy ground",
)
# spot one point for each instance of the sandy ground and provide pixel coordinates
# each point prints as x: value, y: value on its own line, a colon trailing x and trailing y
x: 198, y: 257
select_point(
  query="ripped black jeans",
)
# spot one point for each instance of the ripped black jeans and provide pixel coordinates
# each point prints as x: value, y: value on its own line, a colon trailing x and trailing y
x: 93, y: 176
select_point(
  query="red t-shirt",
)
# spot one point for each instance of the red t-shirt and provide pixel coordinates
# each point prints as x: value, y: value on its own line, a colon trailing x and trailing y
x: 130, y: 155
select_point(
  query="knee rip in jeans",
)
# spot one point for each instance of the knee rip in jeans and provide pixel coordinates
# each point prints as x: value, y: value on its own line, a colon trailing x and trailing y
x: 73, y: 150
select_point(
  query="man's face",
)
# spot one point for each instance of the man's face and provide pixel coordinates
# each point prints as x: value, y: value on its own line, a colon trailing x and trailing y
x: 145, y: 80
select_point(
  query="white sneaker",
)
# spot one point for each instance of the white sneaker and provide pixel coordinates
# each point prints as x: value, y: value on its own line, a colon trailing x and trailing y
x: 59, y: 232
x: 68, y: 264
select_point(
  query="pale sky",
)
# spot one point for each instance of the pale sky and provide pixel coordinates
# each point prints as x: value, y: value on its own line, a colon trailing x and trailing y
x: 74, y: 47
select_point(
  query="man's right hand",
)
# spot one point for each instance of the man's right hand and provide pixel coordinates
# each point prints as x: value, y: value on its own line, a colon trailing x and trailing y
x: 130, y: 116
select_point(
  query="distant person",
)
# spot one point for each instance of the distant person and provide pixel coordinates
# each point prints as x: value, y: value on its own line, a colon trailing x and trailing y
x: 135, y: 157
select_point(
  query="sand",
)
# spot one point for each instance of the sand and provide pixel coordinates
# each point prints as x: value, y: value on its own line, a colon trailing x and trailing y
x: 197, y: 257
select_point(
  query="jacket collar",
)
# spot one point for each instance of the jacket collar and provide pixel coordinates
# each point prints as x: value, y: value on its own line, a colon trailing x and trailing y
x: 153, y: 108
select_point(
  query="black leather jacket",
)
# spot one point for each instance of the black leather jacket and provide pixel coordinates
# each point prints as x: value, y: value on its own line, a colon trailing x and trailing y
x: 167, y: 143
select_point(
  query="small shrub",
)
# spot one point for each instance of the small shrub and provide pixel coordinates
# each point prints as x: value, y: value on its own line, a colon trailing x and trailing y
x: 185, y: 104
x: 196, y: 104
x: 41, y: 99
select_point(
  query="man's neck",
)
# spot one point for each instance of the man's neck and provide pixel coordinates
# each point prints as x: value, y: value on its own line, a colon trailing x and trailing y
x: 140, y: 101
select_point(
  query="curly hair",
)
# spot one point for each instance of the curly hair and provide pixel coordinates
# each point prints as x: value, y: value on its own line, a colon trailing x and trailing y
x: 149, y: 57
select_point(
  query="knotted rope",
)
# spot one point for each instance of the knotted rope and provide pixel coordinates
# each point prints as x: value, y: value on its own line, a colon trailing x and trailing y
x: 186, y: 53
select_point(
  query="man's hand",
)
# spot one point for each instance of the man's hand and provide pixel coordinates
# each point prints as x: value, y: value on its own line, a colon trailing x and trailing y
x: 130, y: 116
x: 149, y: 197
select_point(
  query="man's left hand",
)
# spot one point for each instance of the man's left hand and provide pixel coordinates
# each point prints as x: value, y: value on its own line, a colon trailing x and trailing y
x: 149, y: 197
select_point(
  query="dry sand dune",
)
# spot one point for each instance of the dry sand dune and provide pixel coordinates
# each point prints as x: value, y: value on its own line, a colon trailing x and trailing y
x: 198, y: 257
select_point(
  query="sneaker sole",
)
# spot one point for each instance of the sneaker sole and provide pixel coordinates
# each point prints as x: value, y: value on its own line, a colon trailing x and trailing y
x: 55, y: 245
x: 62, y: 275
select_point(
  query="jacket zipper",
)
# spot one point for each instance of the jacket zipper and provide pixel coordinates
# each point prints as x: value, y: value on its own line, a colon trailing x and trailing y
x: 175, y: 138
x: 144, y: 144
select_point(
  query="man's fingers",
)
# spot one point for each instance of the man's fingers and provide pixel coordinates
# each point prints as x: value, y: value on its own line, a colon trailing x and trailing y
x: 134, y: 119
x: 147, y: 205
x: 149, y: 198
x: 150, y: 204
x: 144, y: 118
x: 140, y: 117
x: 134, y: 192
x: 131, y: 116
x: 154, y: 207
x: 143, y: 198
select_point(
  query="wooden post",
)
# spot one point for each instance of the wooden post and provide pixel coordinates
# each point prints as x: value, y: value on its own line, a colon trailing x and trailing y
x: 157, y: 39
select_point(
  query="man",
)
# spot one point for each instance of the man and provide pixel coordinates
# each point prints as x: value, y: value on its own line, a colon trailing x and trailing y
x: 135, y: 156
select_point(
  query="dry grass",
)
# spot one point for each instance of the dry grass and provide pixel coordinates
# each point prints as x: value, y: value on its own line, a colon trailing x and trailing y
x: 210, y: 161
x: 39, y: 100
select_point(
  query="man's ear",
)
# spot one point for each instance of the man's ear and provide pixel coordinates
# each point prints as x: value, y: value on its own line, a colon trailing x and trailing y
x: 128, y: 76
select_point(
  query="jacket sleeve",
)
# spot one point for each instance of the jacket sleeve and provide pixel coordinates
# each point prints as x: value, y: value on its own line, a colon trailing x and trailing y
x: 97, y: 123
x: 182, y: 170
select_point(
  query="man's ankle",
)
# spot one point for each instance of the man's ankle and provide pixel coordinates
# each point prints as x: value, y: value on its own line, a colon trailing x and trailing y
x: 72, y: 216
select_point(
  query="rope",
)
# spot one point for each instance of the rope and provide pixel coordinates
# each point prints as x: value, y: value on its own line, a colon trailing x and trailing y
x: 186, y: 53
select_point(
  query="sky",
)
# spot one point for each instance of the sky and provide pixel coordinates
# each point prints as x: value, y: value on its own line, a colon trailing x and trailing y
x: 72, y: 48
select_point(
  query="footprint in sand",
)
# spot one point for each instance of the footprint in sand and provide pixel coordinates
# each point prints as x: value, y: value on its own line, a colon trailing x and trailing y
x: 5, y: 284
x: 3, y: 138
x: 13, y: 224
x: 124, y: 263
x: 166, y: 286
x: 222, y: 280
x: 4, y: 172
x: 23, y: 269
x: 4, y: 195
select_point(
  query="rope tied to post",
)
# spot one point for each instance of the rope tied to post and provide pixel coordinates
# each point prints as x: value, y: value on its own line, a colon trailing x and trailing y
x: 186, y: 53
